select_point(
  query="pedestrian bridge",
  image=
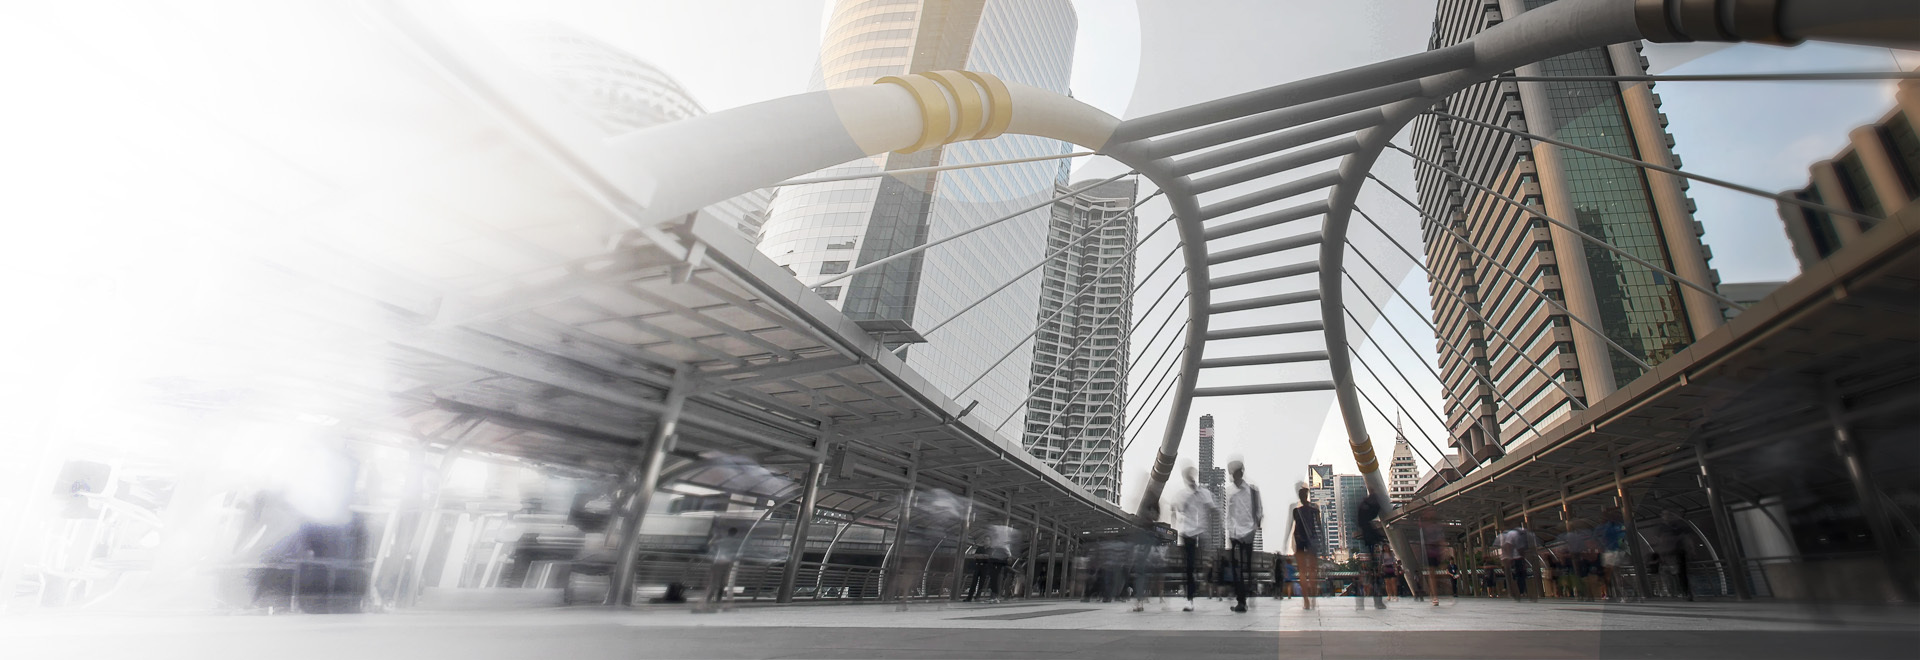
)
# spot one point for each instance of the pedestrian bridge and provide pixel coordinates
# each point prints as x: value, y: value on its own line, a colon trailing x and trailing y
x: 430, y: 255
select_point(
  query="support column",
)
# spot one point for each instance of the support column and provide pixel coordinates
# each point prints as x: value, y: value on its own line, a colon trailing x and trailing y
x: 1055, y: 566
x: 957, y: 581
x: 1033, y: 557
x: 1632, y: 529
x: 1735, y: 558
x: 620, y: 583
x: 1864, y: 488
x: 802, y: 526
x: 890, y: 586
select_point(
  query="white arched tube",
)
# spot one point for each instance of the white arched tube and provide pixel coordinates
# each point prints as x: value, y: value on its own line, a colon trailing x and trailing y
x: 706, y: 159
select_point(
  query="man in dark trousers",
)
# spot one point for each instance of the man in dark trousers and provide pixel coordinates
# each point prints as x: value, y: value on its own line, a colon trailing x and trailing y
x: 1243, y: 520
x: 1190, y: 519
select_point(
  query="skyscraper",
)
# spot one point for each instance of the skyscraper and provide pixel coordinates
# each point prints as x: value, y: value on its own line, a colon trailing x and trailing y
x: 1646, y: 214
x: 1214, y: 480
x: 1877, y: 174
x: 1078, y: 409
x: 1322, y: 492
x: 822, y: 230
x: 1403, y: 474
x: 623, y: 94
x: 1348, y: 491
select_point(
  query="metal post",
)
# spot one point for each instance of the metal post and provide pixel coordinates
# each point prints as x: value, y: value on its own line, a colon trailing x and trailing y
x: 1643, y: 581
x: 900, y: 527
x: 1723, y: 527
x: 1056, y: 566
x: 620, y: 583
x: 957, y: 581
x: 1855, y: 461
x: 802, y: 525
x: 1033, y: 558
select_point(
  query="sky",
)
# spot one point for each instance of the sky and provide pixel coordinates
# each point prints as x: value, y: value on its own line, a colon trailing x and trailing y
x: 1135, y: 58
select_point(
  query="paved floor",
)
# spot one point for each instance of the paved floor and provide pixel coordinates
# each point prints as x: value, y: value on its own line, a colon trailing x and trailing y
x: 1051, y: 629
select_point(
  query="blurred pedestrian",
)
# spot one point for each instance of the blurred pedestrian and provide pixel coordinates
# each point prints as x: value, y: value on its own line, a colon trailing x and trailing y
x: 1306, y: 533
x: 934, y: 514
x: 1243, y: 521
x: 1433, y: 541
x: 1612, y: 535
x: 1453, y: 577
x: 1672, y: 538
x: 723, y: 550
x: 1190, y: 520
x: 1515, y: 544
x: 1390, y: 574
x: 1373, y: 541
x: 1141, y: 542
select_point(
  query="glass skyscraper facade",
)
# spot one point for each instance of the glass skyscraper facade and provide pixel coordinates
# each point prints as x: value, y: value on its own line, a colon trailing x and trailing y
x: 818, y: 231
x: 1494, y: 328
x: 1076, y: 416
x: 622, y: 93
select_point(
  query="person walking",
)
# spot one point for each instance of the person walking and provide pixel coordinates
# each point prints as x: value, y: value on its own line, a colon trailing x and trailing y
x: 1140, y: 544
x: 1515, y: 545
x: 1669, y: 560
x: 1373, y: 542
x: 1190, y: 520
x: 1306, y: 534
x: 1243, y: 520
x: 1433, y: 540
x: 1453, y: 578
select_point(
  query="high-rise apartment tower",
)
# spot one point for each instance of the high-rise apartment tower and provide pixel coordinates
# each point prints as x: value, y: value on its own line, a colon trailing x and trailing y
x: 1077, y: 413
x: 1213, y: 479
x: 822, y: 230
x: 1403, y: 474
x: 1647, y: 214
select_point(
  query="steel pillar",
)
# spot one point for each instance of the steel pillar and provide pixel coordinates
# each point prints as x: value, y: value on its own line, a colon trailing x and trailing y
x: 620, y: 582
x: 1054, y: 566
x: 1643, y: 582
x: 1735, y: 558
x: 802, y: 526
x: 900, y: 529
x: 1033, y: 558
x: 1878, y: 523
x: 957, y: 581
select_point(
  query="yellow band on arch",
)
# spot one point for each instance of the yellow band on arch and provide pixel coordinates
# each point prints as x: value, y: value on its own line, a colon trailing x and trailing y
x: 936, y: 118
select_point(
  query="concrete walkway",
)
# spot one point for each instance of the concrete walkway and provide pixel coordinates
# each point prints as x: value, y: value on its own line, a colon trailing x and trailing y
x: 1045, y: 629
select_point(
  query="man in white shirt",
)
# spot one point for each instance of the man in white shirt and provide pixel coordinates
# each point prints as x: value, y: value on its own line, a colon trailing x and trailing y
x: 1515, y: 545
x: 1190, y: 519
x: 1243, y: 519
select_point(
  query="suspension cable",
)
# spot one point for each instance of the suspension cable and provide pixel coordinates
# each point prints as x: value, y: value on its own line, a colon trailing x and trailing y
x: 1391, y: 363
x: 926, y: 246
x: 1423, y: 435
x: 1787, y: 199
x: 1081, y: 438
x: 1403, y: 377
x: 1576, y: 230
x: 1456, y: 296
x: 926, y: 170
x: 1103, y: 364
x: 1167, y: 384
x: 1076, y: 296
x: 1157, y: 366
x: 1444, y: 387
x: 1463, y: 240
x: 1045, y: 260
x: 1728, y: 77
x: 1476, y: 376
